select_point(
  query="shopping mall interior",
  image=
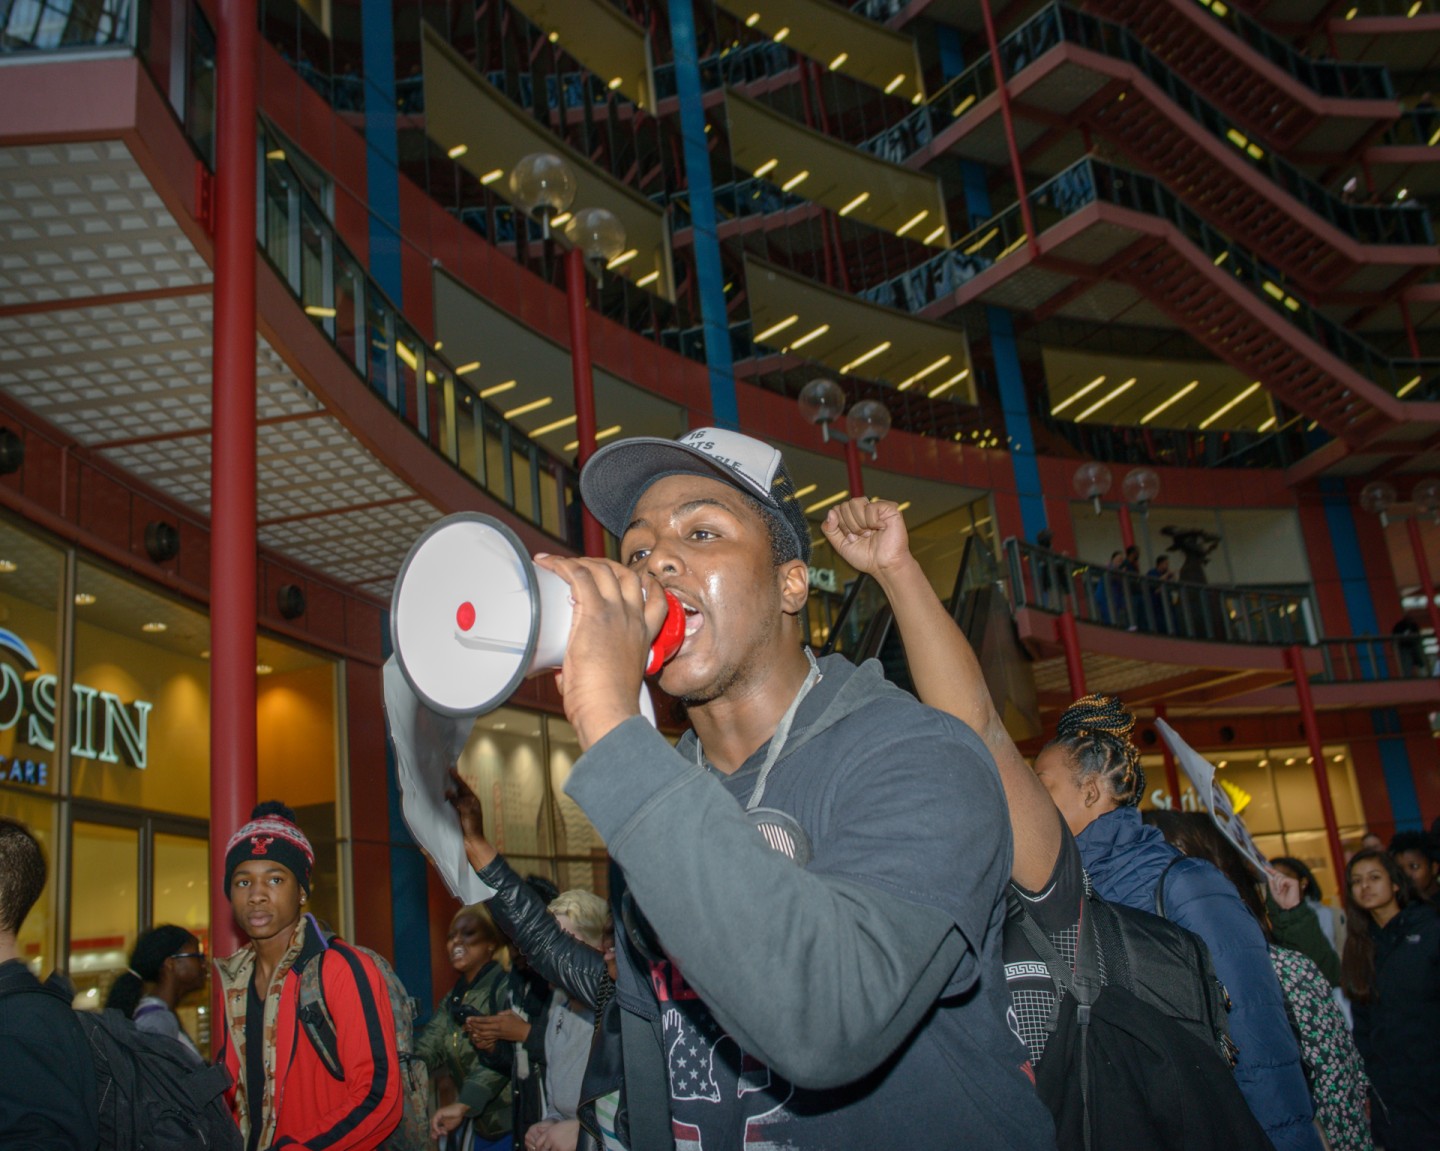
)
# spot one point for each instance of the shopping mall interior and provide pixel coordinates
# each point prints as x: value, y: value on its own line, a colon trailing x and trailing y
x: 1059, y: 278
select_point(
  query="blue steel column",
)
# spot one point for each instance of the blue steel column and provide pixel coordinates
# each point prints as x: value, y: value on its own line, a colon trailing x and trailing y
x: 710, y: 277
x: 1008, y: 378
x: 409, y: 891
x: 1355, y: 586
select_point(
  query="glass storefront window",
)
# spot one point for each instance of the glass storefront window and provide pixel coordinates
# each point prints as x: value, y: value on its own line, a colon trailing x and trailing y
x: 104, y: 907
x: 503, y: 762
x: 1281, y: 802
x: 297, y: 717
x: 180, y: 895
x: 141, y: 726
x: 36, y: 937
x: 31, y: 581
x: 580, y: 858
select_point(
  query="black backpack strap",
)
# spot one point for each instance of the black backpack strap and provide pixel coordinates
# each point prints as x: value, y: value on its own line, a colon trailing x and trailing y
x: 1160, y: 887
x: 315, y: 1018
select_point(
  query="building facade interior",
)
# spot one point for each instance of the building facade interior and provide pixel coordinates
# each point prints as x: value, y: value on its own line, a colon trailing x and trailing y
x: 1060, y: 278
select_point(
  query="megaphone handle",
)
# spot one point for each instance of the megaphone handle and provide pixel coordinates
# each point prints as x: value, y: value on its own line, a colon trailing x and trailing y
x: 671, y: 637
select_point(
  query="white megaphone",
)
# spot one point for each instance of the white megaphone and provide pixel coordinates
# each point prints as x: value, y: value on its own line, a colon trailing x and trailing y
x: 472, y: 616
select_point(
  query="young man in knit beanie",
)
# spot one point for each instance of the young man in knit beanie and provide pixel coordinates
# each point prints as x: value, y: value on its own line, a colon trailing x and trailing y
x: 284, y: 1096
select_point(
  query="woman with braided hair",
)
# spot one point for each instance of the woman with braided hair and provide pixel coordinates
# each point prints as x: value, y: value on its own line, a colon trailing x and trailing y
x: 1091, y: 771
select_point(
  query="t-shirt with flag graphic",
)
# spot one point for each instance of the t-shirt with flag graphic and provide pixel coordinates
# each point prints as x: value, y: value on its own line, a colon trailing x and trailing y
x: 719, y: 1095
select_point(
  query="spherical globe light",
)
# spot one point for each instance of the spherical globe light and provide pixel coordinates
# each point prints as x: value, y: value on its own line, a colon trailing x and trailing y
x: 867, y: 423
x: 821, y: 401
x: 598, y: 233
x: 543, y: 186
x: 1140, y: 486
x: 1092, y: 481
x: 1426, y: 495
x: 1377, y: 498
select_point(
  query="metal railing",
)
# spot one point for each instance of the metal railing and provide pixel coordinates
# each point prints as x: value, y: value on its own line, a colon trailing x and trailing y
x: 1088, y: 181
x: 1058, y: 23
x: 1416, y: 126
x: 1184, y: 448
x: 1336, y: 78
x: 1116, y: 598
x: 1361, y: 659
x: 418, y: 383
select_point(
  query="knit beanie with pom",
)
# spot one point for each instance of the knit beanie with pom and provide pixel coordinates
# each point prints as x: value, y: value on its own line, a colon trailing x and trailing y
x: 272, y: 835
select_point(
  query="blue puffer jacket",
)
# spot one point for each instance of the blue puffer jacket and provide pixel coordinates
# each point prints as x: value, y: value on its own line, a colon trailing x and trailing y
x: 1125, y: 858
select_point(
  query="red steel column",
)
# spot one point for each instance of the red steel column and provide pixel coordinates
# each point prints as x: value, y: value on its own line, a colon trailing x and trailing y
x: 1127, y: 528
x: 852, y: 469
x: 1422, y: 565
x: 232, y: 499
x: 1074, y: 663
x: 1172, y: 773
x: 1005, y: 115
x: 577, y: 294
x: 1295, y: 660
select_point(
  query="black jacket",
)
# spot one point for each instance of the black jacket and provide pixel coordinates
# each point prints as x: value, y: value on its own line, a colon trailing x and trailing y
x: 1398, y: 1031
x: 578, y: 970
x: 47, y: 1091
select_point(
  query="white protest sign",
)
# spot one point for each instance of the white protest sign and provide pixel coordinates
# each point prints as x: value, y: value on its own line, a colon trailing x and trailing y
x: 1202, y: 778
x: 427, y: 746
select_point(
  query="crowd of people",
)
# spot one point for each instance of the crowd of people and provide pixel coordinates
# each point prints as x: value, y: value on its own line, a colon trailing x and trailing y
x: 838, y: 916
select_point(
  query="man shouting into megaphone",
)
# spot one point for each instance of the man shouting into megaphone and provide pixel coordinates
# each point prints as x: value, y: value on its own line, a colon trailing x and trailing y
x: 808, y: 922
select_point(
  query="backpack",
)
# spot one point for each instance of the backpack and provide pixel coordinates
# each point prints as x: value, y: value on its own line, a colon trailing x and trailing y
x: 152, y: 1096
x: 1137, y: 1058
x: 413, y: 1133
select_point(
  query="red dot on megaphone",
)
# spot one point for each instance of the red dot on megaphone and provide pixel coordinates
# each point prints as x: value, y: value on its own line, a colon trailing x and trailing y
x: 465, y: 616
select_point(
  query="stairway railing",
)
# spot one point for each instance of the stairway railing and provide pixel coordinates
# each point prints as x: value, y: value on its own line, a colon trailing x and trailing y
x: 1058, y: 23
x: 1088, y: 181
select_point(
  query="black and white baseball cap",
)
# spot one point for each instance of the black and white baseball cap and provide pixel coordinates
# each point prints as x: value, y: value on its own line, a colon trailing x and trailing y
x: 618, y: 474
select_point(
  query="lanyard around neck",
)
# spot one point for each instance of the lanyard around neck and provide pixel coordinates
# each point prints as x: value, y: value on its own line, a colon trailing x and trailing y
x: 782, y: 733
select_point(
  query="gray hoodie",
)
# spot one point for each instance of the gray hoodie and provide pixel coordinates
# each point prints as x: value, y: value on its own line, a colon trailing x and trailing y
x: 858, y: 1001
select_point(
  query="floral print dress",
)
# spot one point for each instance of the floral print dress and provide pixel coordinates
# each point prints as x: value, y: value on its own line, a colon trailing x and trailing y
x: 1333, y: 1067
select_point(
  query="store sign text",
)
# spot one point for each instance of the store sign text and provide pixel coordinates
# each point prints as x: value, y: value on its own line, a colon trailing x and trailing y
x: 104, y: 726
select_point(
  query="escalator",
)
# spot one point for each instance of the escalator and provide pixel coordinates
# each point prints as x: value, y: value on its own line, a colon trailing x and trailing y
x: 865, y: 629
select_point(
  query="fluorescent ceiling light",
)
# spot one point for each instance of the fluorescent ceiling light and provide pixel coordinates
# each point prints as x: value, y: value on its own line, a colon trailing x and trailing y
x: 1085, y: 391
x: 1408, y: 388
x: 795, y: 181
x: 752, y: 19
x: 935, y: 235
x: 814, y: 334
x: 532, y: 406
x: 555, y: 427
x: 827, y: 501
x: 491, y: 176
x: 561, y: 220
x: 895, y: 83
x: 320, y: 313
x: 910, y: 223
x: 459, y: 150
x: 867, y: 357
x: 615, y: 82
x: 496, y: 389
x: 839, y: 60
x: 774, y: 328
x: 1267, y: 425
x: 805, y: 491
x: 960, y: 107
x: 855, y: 203
x: 466, y: 369
x: 780, y: 35
x: 1220, y: 411
x: 622, y: 259
x: 1181, y: 394
x: 605, y: 435
x: 947, y: 385
x: 923, y: 372
x: 1105, y: 399
x: 765, y: 168
x: 648, y: 279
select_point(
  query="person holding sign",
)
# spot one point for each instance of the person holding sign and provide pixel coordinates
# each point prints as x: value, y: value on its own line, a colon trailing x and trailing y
x: 1092, y: 772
